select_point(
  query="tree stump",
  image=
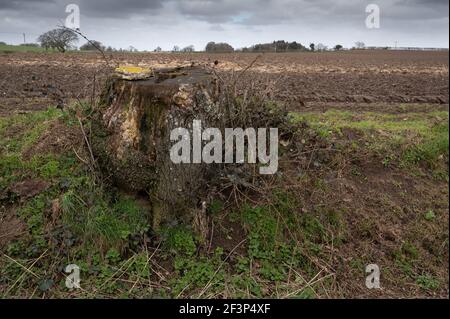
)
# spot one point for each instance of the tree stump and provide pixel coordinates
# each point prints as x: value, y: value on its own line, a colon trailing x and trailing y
x: 132, y: 137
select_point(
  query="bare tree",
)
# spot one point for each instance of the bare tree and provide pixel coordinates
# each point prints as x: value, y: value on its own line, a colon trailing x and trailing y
x: 176, y: 48
x: 60, y: 39
x: 360, y: 45
x: 189, y: 48
x: 322, y: 47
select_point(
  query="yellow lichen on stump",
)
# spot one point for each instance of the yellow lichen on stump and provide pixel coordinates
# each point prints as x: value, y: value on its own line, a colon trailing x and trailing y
x: 133, y: 72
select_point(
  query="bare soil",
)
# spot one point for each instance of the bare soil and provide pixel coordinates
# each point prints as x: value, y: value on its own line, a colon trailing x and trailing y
x: 303, y: 81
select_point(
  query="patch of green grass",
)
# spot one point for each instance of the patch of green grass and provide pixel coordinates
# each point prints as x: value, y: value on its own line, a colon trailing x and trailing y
x: 28, y: 120
x: 74, y: 216
x: 10, y: 166
x: 262, y: 236
x: 410, y: 250
x: 430, y: 215
x: 244, y: 286
x: 33, y: 213
x: 278, y: 236
x: 307, y: 293
x: 406, y: 257
x: 199, y: 274
x: 406, y: 139
x: 90, y: 214
x: 387, y: 160
x: 192, y: 271
x: 50, y: 166
x: 434, y: 145
x: 277, y: 239
x: 215, y: 207
x: 6, y: 48
x: 371, y: 121
x: 95, y: 219
x: 19, y: 132
x: 357, y: 264
x: 180, y: 241
x: 427, y: 282
x: 49, y: 169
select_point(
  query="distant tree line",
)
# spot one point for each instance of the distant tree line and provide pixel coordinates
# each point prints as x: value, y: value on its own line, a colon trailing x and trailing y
x: 63, y: 39
x: 218, y: 47
x: 276, y: 46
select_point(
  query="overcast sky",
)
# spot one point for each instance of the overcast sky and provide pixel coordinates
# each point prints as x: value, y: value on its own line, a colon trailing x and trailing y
x: 146, y: 24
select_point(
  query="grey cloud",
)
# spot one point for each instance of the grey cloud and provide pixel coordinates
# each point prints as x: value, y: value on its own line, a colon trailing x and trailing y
x: 119, y: 8
x: 250, y: 12
x: 109, y: 18
x: 90, y: 8
x: 319, y: 12
x: 20, y: 4
x: 216, y: 10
